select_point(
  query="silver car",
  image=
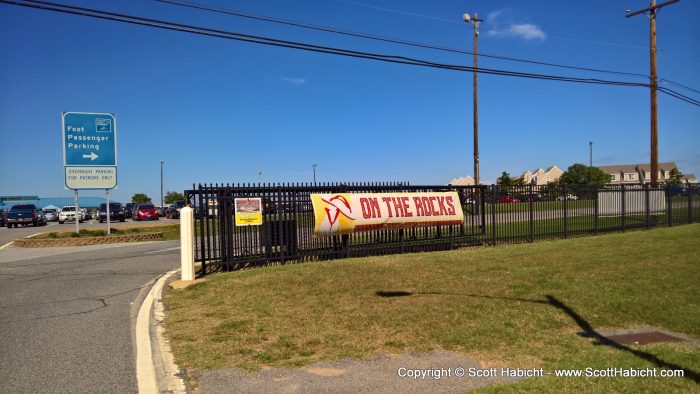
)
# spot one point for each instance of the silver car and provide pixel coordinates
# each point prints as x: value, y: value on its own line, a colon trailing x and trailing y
x: 51, y: 214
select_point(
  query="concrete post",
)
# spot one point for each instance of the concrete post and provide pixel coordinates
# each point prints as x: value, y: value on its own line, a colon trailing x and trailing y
x: 187, y: 243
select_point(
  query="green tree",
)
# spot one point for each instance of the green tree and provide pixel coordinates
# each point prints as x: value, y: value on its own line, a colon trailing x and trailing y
x: 580, y: 174
x: 675, y: 177
x: 171, y: 197
x: 140, y: 198
x: 504, y: 179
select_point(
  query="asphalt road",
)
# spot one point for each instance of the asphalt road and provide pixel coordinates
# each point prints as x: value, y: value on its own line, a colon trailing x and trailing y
x: 67, y: 314
x: 10, y: 234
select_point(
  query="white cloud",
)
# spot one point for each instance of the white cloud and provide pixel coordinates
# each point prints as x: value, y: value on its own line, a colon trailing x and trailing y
x: 527, y: 31
x: 503, y: 24
x: 294, y: 81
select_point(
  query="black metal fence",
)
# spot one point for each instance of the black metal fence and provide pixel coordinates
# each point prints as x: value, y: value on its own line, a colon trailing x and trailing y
x: 492, y: 215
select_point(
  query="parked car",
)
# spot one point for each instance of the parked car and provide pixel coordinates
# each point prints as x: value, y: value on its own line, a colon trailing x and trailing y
x: 174, y: 209
x: 87, y: 215
x: 51, y: 214
x: 41, y: 217
x: 116, y: 212
x: 145, y: 212
x: 68, y: 214
x: 567, y: 197
x: 507, y: 199
x: 2, y: 217
x: 129, y: 210
x: 24, y: 214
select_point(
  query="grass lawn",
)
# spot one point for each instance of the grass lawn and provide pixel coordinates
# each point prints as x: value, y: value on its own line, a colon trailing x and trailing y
x: 517, y: 305
x: 170, y: 232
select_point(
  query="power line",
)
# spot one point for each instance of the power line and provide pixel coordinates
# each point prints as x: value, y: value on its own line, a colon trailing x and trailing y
x: 225, y: 11
x: 220, y: 10
x: 435, y: 18
x: 105, y: 15
x: 46, y: 5
x: 680, y: 85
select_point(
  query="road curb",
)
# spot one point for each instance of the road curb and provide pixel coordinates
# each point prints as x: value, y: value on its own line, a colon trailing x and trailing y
x: 156, y: 371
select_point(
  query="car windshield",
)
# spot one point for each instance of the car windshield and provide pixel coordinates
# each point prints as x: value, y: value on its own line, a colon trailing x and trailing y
x: 49, y: 210
x: 146, y: 206
x: 68, y: 209
x: 179, y: 204
x: 23, y: 206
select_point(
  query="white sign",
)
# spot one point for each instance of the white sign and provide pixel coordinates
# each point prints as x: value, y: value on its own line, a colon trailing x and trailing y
x: 91, y: 177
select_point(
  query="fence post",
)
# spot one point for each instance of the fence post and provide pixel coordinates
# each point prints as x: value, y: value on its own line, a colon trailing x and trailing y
x: 566, y: 213
x: 596, y: 213
x: 690, y: 204
x: 346, y: 245
x: 532, y: 217
x: 669, y: 207
x: 647, y: 205
x: 187, y: 243
x: 623, y: 207
x: 493, y: 214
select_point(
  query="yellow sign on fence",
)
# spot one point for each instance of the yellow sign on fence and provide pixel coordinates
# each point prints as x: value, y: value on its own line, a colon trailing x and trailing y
x: 248, y: 211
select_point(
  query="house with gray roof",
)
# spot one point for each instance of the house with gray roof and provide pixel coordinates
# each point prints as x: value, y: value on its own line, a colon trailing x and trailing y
x: 638, y: 174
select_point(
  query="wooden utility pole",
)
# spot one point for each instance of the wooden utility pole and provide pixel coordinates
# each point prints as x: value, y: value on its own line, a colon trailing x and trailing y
x: 652, y: 10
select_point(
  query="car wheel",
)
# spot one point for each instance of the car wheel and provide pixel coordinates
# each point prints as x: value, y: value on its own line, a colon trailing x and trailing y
x: 60, y: 222
x: 123, y: 220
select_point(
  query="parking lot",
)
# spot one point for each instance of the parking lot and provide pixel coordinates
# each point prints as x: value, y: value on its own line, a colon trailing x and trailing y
x: 10, y: 234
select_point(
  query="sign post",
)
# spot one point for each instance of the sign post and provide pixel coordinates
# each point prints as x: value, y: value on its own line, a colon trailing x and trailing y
x: 89, y: 154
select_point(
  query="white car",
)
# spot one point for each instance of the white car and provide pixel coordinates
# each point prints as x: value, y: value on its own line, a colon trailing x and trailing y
x: 567, y: 197
x: 67, y: 214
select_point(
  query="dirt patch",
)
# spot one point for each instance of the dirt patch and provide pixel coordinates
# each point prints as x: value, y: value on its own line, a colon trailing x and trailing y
x: 434, y: 372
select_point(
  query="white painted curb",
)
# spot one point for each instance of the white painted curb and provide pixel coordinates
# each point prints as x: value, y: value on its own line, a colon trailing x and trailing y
x: 145, y: 369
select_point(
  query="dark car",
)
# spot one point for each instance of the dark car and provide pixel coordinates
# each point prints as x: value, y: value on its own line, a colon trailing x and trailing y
x: 173, y: 211
x: 2, y: 218
x: 129, y: 210
x: 145, y: 212
x: 116, y: 212
x: 24, y: 214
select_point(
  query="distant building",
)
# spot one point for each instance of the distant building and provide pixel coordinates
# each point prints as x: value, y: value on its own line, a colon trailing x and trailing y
x: 542, y: 177
x: 637, y: 174
x: 467, y: 181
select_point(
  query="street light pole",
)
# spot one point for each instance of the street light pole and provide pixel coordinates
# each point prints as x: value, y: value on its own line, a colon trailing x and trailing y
x: 475, y: 22
x: 314, y: 167
x: 161, y: 184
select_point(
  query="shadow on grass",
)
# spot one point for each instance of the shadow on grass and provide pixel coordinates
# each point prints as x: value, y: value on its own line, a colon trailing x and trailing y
x: 588, y: 330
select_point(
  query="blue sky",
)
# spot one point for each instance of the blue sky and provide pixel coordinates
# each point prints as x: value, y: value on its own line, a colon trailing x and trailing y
x: 218, y: 110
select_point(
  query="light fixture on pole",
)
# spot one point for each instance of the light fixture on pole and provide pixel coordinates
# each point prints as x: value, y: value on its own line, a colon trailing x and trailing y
x: 475, y: 21
x: 259, y: 176
x: 314, y: 167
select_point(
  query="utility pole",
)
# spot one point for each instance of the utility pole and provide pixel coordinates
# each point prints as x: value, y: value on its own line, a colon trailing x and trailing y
x: 652, y: 10
x: 314, y: 167
x: 475, y: 21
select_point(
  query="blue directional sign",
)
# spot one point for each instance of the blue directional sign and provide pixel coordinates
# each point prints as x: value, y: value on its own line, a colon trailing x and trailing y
x: 89, y: 139
x: 90, y: 150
